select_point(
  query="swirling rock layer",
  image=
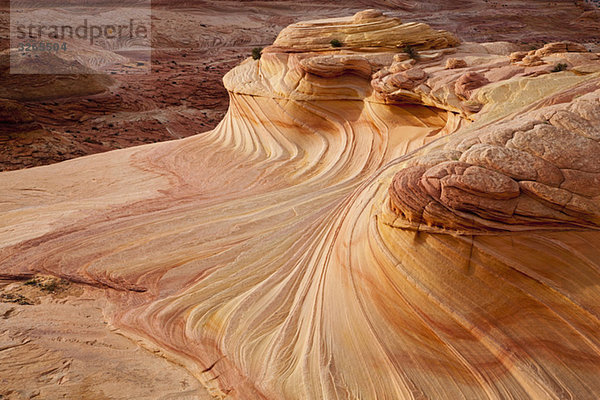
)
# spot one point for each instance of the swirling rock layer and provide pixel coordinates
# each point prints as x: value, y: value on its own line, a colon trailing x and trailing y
x: 195, y: 43
x: 369, y: 28
x: 344, y: 236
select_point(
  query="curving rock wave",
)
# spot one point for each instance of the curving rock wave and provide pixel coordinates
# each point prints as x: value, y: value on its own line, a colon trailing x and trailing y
x: 361, y: 224
x: 366, y: 29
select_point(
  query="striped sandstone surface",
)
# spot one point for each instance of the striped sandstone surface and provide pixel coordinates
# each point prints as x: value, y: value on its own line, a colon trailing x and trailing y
x: 361, y: 224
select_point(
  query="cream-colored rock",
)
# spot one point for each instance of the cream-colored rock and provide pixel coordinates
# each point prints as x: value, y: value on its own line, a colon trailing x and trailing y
x: 330, y: 241
x: 330, y: 66
x: 365, y: 29
x: 517, y: 56
x: 529, y: 151
x: 402, y: 66
x: 560, y: 47
x: 531, y: 60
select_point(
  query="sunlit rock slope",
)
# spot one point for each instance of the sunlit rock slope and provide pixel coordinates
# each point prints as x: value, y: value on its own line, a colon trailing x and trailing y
x: 367, y: 221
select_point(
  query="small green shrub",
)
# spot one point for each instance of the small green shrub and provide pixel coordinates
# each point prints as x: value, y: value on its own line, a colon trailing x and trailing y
x: 559, y: 67
x: 48, y: 285
x: 335, y: 43
x: 412, y: 52
x: 15, y: 298
x: 256, y: 53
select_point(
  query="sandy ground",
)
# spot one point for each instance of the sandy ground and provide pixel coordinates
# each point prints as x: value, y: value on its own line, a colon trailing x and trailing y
x: 56, y: 344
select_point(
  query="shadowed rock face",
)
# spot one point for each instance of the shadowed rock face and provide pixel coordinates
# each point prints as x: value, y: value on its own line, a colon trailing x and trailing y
x: 361, y: 224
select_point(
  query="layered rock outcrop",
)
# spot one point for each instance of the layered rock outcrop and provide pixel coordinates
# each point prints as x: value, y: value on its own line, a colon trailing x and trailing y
x: 366, y: 29
x: 362, y: 224
x: 540, y: 170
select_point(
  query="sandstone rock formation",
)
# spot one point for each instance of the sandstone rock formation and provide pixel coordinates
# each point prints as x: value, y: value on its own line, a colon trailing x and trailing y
x: 194, y: 44
x: 359, y: 225
x: 453, y: 63
x: 366, y: 29
x: 540, y: 170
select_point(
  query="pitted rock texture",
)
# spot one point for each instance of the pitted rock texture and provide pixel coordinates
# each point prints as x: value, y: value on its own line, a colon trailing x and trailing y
x: 540, y: 170
x: 469, y: 68
x: 453, y: 63
x: 270, y: 258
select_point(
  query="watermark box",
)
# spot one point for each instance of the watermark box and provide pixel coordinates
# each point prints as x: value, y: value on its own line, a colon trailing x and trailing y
x: 75, y: 37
